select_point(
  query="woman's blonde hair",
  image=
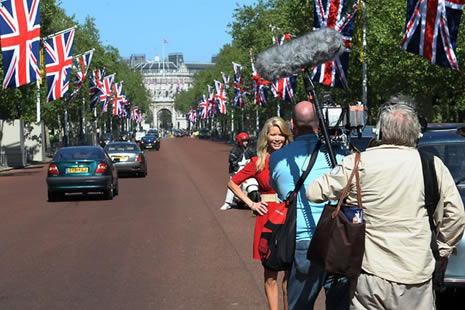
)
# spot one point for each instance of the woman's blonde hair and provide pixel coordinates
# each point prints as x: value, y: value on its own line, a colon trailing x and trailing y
x: 262, y: 144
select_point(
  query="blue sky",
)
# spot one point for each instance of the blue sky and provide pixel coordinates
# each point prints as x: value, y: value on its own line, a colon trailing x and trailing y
x: 196, y: 28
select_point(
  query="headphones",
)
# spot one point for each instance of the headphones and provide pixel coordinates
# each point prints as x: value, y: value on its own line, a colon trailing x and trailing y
x: 384, y: 107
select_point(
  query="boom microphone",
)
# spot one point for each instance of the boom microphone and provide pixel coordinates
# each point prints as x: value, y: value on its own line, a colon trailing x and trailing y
x: 311, y: 49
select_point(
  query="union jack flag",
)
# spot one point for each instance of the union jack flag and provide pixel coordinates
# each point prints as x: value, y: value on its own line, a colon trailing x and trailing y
x: 225, y: 79
x: 239, y: 89
x: 96, y: 87
x: 105, y: 96
x: 334, y: 14
x: 118, y: 99
x: 134, y: 111
x: 58, y: 62
x: 431, y: 30
x: 259, y: 85
x: 283, y: 89
x: 20, y: 41
x: 211, y: 101
x: 81, y: 72
x: 203, y: 106
x: 221, y: 97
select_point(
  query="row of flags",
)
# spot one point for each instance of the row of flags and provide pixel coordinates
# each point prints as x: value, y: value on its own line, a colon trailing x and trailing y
x: 20, y: 43
x: 431, y: 31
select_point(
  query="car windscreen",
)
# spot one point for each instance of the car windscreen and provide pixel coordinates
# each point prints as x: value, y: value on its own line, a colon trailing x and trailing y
x: 112, y: 148
x: 88, y: 153
x: 452, y: 154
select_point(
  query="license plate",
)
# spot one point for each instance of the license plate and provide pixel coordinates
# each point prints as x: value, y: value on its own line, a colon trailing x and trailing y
x: 121, y: 158
x: 78, y: 170
x: 149, y: 146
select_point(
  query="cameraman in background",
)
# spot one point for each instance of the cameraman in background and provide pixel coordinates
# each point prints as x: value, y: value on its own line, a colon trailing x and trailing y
x: 239, y: 153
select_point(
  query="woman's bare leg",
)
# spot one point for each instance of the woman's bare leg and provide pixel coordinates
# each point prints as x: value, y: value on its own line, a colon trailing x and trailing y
x: 271, y: 288
x: 286, y: 276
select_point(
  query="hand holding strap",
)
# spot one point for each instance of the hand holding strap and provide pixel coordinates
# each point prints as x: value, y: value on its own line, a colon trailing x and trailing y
x: 346, y: 189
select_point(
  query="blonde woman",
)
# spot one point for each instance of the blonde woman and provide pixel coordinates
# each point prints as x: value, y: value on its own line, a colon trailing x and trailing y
x: 273, y: 136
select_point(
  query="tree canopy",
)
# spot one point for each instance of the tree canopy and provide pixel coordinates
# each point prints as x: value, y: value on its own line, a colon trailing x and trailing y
x: 390, y: 70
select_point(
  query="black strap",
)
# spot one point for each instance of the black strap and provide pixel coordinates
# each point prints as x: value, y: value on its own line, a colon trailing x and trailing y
x: 431, y: 200
x: 302, y: 178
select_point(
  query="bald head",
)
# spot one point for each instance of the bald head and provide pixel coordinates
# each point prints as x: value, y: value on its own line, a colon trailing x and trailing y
x: 304, y: 119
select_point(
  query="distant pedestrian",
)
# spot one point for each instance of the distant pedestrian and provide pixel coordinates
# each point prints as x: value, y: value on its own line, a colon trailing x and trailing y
x: 273, y: 136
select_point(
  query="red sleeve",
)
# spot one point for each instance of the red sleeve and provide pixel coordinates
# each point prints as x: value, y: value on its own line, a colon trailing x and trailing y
x: 249, y: 171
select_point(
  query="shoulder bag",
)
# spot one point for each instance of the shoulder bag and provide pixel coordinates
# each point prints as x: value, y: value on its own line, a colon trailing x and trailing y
x: 277, y: 240
x: 338, y: 243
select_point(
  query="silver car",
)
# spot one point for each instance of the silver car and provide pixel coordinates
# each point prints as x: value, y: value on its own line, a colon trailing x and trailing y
x: 127, y: 158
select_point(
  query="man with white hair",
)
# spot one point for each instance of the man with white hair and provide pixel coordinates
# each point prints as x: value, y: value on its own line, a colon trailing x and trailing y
x: 398, y: 263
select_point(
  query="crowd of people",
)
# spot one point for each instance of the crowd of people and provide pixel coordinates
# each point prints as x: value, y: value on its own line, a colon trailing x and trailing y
x: 398, y: 263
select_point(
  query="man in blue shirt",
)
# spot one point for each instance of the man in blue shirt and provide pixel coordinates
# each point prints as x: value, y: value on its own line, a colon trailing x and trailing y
x: 286, y: 166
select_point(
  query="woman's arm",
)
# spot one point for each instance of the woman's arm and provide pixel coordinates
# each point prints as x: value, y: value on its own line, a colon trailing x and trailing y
x: 260, y: 207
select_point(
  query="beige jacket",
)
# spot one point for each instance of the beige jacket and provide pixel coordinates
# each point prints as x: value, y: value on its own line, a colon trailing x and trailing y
x: 398, y: 235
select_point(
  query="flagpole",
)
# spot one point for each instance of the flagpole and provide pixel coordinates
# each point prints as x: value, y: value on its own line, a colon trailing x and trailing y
x: 257, y: 118
x: 38, y: 101
x: 59, y: 32
x: 279, y: 109
x: 364, y: 63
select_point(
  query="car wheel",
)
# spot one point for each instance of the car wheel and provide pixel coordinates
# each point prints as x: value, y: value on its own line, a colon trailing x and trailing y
x: 116, y: 191
x: 108, y: 194
x: 52, y: 196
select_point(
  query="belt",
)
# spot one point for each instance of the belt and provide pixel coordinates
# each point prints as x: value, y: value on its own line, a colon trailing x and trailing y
x: 269, y: 197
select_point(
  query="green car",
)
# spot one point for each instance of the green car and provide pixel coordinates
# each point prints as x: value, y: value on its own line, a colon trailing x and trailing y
x: 81, y: 169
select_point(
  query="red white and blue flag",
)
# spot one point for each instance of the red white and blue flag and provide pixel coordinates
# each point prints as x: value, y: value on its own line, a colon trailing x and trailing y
x: 221, y: 97
x: 335, y: 14
x: 260, y: 86
x: 118, y: 99
x: 211, y: 101
x: 82, y: 66
x: 203, y: 106
x: 58, y: 62
x: 226, y: 79
x: 239, y: 89
x: 283, y: 89
x: 20, y: 41
x: 431, y: 30
x: 105, y: 96
x: 96, y: 87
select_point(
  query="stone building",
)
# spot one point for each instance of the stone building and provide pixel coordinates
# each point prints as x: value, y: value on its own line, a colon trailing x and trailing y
x: 164, y: 79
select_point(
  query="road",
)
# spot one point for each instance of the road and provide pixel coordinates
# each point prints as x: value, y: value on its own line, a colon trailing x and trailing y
x: 162, y: 243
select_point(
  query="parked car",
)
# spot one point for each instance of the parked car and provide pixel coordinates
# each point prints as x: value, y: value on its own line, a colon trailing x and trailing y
x: 139, y: 135
x: 106, y: 138
x: 150, y: 142
x: 81, y: 169
x: 447, y: 141
x: 127, y: 158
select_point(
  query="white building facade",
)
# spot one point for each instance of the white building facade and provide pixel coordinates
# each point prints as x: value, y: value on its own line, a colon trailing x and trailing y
x: 164, y: 79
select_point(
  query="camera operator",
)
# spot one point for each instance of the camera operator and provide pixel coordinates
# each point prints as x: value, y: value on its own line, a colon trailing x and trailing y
x: 240, y: 153
x: 398, y: 262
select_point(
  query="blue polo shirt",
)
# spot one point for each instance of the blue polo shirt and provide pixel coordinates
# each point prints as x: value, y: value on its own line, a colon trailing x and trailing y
x: 286, y: 167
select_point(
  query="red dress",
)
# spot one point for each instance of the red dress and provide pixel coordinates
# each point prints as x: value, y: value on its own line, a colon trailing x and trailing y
x: 263, y: 179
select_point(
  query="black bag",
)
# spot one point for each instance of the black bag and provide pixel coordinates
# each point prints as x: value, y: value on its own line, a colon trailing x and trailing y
x: 277, y: 241
x: 338, y: 244
x: 431, y: 200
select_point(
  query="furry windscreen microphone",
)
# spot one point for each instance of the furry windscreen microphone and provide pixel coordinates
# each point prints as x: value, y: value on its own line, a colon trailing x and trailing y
x: 311, y: 49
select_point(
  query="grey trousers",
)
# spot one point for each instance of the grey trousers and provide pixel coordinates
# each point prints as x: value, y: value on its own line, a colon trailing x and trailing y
x: 369, y: 292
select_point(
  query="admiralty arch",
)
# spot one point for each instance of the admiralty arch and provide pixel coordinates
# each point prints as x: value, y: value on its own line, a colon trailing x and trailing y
x: 164, y: 79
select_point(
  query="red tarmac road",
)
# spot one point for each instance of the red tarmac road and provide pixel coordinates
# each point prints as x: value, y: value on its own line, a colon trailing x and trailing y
x: 162, y: 243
